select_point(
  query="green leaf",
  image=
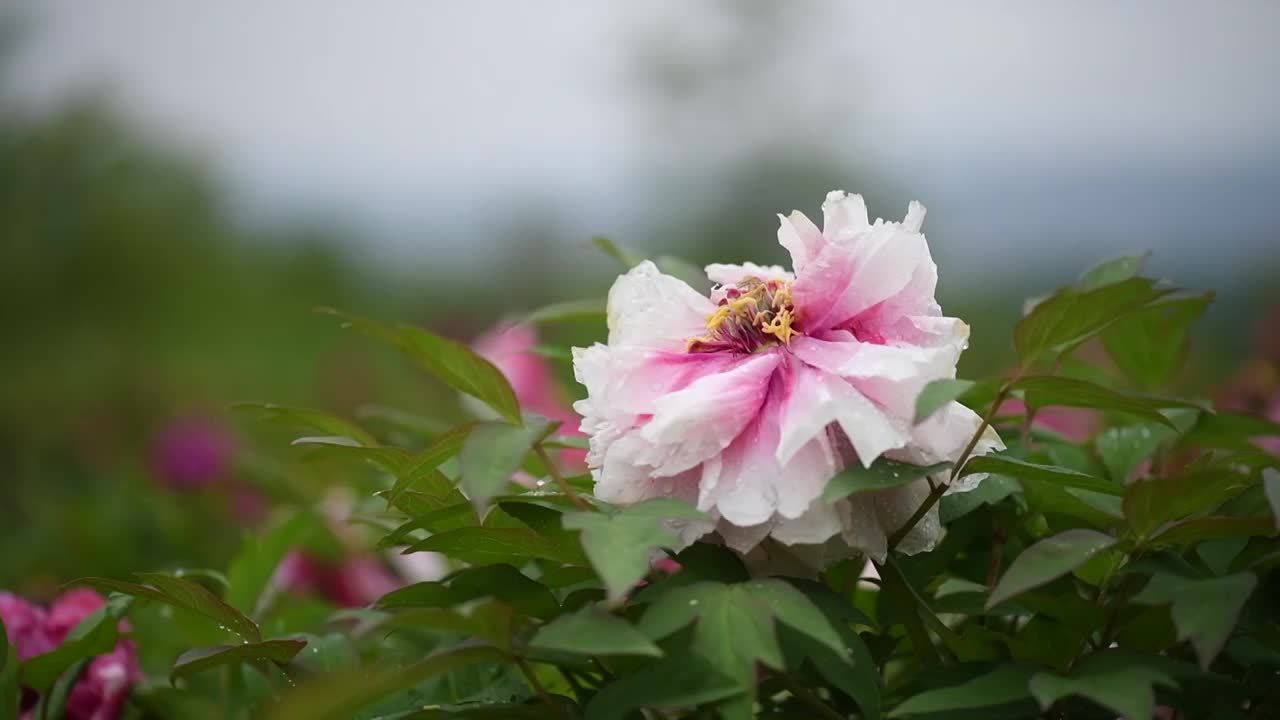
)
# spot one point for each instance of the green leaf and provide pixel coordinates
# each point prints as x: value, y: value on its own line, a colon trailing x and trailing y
x: 589, y: 309
x: 314, y: 419
x: 884, y: 474
x: 1093, y: 508
x: 192, y: 596
x: 1204, y: 611
x: 10, y: 689
x: 484, y: 546
x: 1235, y: 431
x: 391, y: 459
x: 1196, y: 530
x: 1150, y: 346
x: 1109, y: 272
x: 279, y: 652
x: 937, y: 394
x: 1117, y: 681
x: 493, y: 453
x: 1002, y: 686
x: 1151, y: 502
x: 990, y: 491
x: 94, y: 635
x: 1048, y: 560
x: 455, y: 364
x: 423, y: 466
x: 619, y: 545
x: 53, y: 704
x: 1047, y: 391
x: 503, y: 582
x: 675, y: 682
x: 734, y: 627
x: 252, y: 568
x: 1071, y: 316
x: 1066, y: 477
x: 625, y: 257
x: 590, y: 632
x: 692, y: 275
x: 340, y: 696
x: 1123, y: 448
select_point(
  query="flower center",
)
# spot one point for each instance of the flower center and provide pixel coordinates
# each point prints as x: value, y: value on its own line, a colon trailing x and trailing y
x: 752, y: 315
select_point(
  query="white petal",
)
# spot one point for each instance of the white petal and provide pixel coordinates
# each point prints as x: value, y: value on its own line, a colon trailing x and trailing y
x: 815, y: 526
x: 818, y: 399
x: 655, y: 310
x: 696, y: 423
x: 915, y: 217
x: 843, y: 216
x: 801, y: 238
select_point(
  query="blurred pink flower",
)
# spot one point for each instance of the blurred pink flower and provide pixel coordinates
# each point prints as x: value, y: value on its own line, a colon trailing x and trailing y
x: 101, y: 691
x: 746, y: 403
x: 1074, y: 424
x: 192, y: 453
x: 24, y: 623
x: 349, y: 582
x: 511, y: 349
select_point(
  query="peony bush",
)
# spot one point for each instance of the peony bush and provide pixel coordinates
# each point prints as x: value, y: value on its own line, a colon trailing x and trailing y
x: 774, y: 498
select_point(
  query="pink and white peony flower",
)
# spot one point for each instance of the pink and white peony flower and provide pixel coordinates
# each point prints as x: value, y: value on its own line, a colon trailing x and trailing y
x: 747, y: 402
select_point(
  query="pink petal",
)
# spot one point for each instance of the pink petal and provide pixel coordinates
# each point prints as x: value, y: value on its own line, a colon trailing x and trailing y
x: 650, y: 309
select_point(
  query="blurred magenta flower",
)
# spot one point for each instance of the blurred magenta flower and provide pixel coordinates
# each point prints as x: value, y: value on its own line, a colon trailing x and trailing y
x: 349, y: 582
x: 746, y: 403
x: 1073, y: 424
x: 193, y: 452
x: 511, y: 349
x: 101, y: 691
x: 1255, y: 389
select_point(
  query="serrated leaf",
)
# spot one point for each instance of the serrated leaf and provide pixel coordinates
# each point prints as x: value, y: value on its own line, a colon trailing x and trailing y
x: 451, y: 362
x: 884, y: 474
x: 340, y: 696
x: 675, y: 682
x: 1150, y: 346
x: 252, y: 568
x: 938, y: 394
x: 1112, y: 271
x: 1048, y: 560
x: 591, y: 632
x: 1204, y: 611
x: 1117, y: 681
x: 1071, y: 316
x: 734, y: 626
x: 484, y: 546
x: 1043, y: 391
x: 194, y: 597
x: 315, y: 419
x: 588, y: 309
x: 1002, y: 686
x: 423, y: 465
x: 619, y: 545
x: 1013, y: 467
x: 279, y: 652
x: 94, y: 635
x: 1151, y: 502
x: 492, y: 454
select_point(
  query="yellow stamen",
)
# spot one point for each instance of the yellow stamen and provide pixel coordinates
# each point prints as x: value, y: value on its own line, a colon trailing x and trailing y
x: 780, y: 326
x: 716, y: 318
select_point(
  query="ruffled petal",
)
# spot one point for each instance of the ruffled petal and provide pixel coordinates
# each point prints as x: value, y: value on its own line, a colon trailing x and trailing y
x: 650, y: 309
x: 843, y: 216
x: 693, y: 424
x: 819, y: 398
x: 725, y: 274
x: 801, y: 238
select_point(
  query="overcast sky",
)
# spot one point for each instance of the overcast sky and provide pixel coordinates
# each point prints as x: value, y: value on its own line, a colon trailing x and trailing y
x: 1136, y: 120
